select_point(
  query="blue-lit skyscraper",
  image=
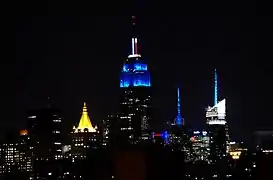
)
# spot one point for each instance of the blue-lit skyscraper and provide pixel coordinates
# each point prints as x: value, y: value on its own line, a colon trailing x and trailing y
x: 135, y: 72
x: 135, y: 83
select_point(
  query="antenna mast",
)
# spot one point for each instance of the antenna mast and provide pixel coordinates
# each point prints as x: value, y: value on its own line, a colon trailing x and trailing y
x: 215, y: 87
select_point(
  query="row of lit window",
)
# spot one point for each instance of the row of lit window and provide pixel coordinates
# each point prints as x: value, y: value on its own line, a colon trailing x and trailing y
x: 16, y: 144
x: 129, y: 128
x: 58, y: 156
x: 57, y: 120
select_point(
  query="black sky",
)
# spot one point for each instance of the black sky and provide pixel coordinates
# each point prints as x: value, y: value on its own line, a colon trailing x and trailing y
x: 67, y: 52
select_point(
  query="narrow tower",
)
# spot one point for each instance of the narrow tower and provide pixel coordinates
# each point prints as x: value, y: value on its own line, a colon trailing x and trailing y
x: 215, y: 87
x: 178, y: 120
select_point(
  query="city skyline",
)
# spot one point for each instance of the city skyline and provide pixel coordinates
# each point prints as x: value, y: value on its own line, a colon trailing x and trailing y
x: 69, y: 75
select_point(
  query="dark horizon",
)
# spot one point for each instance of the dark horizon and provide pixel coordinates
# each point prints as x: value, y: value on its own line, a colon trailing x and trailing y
x: 74, y: 58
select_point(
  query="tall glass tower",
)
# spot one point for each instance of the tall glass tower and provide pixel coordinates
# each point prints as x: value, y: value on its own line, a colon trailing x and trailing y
x: 135, y: 83
x: 218, y: 129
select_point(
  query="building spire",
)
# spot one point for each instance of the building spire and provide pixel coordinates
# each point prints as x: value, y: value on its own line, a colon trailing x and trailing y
x: 84, y: 109
x: 215, y: 87
x: 85, y: 123
x: 134, y: 38
x: 178, y: 120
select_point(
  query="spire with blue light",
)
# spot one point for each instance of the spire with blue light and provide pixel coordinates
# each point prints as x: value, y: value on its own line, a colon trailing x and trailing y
x: 215, y: 87
x: 135, y: 72
x: 179, y: 119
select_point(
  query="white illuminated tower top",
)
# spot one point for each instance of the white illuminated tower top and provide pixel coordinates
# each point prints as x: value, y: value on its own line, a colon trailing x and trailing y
x: 217, y: 113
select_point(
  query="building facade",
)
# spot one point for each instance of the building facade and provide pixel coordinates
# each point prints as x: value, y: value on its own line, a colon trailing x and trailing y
x: 200, y: 145
x: 15, y: 155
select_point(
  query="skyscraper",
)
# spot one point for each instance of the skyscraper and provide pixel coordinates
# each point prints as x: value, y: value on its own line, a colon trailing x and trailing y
x: 217, y: 125
x: 215, y: 102
x: 135, y: 83
x: 216, y: 120
x: 84, y: 136
x: 178, y: 137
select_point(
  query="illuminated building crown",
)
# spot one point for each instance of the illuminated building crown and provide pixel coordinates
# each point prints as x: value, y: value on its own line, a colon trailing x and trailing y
x: 135, y: 71
x: 218, y: 111
x: 85, y: 123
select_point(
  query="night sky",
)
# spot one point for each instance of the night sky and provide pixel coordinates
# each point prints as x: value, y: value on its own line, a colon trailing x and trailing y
x: 71, y: 54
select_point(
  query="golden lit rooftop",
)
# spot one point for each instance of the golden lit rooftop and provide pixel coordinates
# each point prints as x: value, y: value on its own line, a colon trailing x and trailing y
x: 85, y: 122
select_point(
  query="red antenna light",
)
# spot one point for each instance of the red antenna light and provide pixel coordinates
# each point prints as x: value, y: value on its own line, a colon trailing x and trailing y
x: 134, y: 20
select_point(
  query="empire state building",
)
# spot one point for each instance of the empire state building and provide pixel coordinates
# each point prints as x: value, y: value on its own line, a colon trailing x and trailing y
x: 135, y: 105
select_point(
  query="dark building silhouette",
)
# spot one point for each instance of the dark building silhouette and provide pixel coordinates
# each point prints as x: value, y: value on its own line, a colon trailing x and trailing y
x: 45, y: 141
x: 130, y: 165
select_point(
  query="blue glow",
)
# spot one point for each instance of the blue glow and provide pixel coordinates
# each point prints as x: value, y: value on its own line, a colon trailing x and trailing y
x: 165, y: 136
x: 179, y: 119
x: 153, y: 135
x: 135, y: 75
x: 125, y: 80
x: 137, y: 67
x: 136, y: 80
x: 124, y: 84
x: 215, y: 87
x: 140, y: 67
x: 125, y: 68
x: 141, y: 83
x: 142, y: 79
